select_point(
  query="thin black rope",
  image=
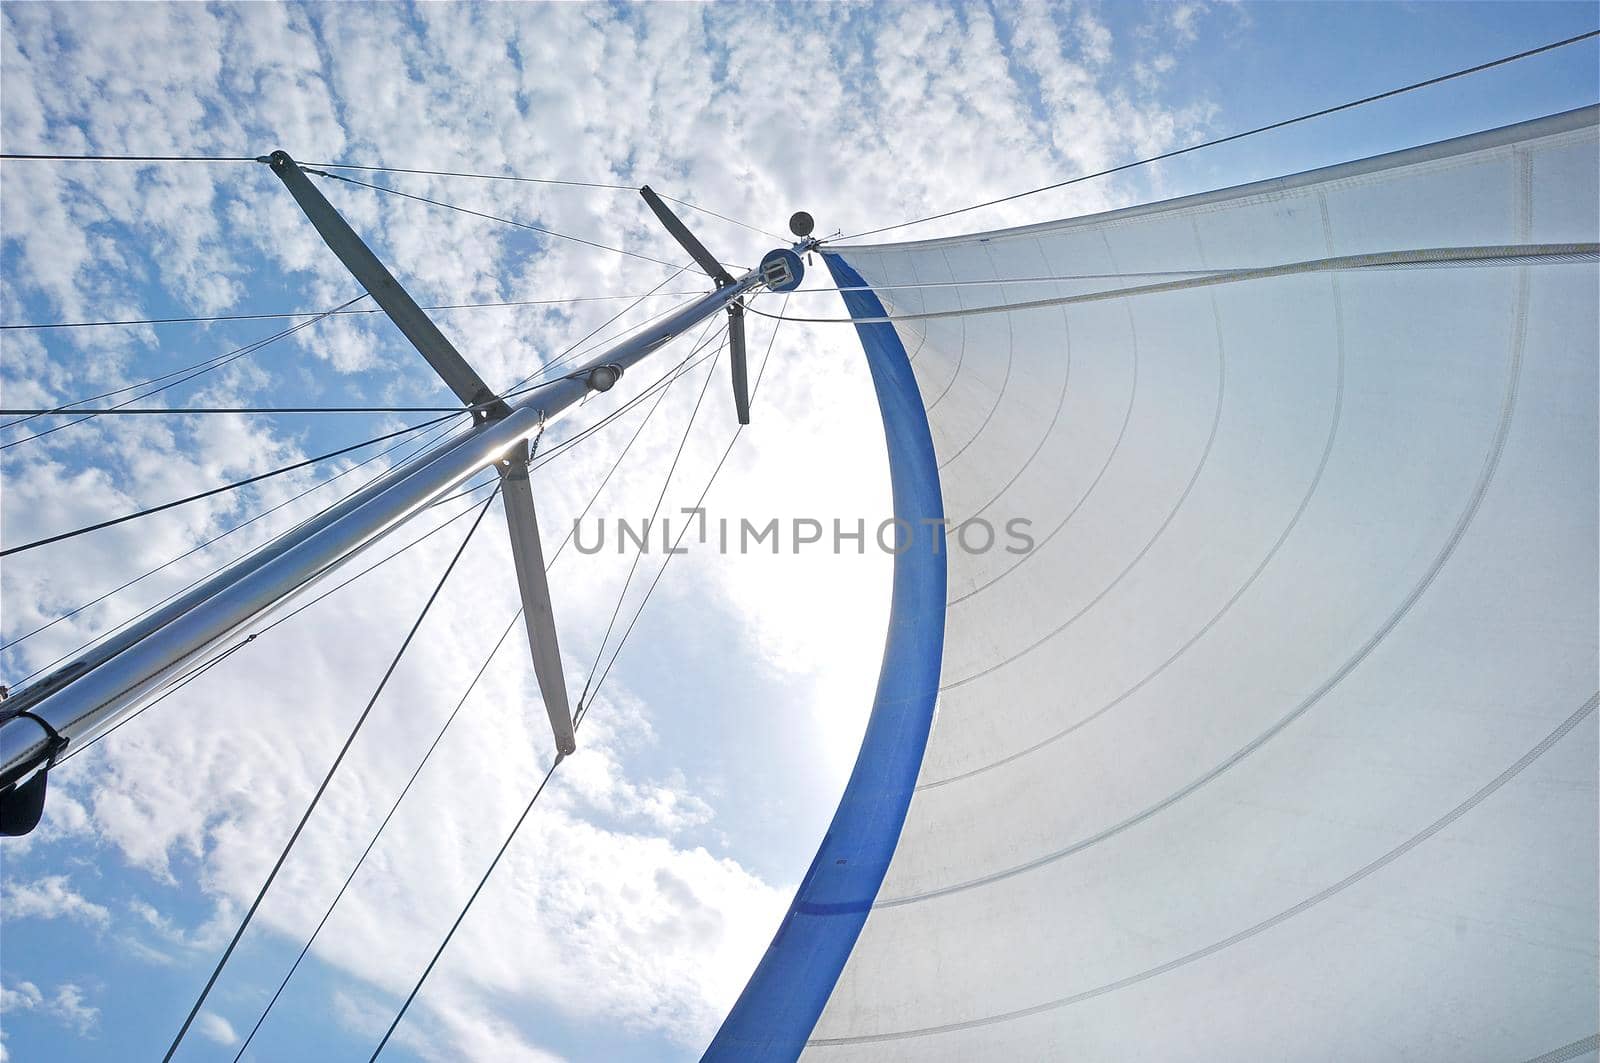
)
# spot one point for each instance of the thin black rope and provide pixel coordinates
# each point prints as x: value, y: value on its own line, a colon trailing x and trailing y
x: 1413, y: 86
x: 216, y: 362
x: 194, y: 550
x: 566, y: 356
x: 27, y: 157
x: 182, y: 681
x: 235, y: 485
x: 476, y: 679
x: 323, y: 786
x: 583, y: 707
x: 342, y: 584
x: 592, y: 694
x: 608, y: 186
x: 517, y: 826
x: 572, y: 352
x: 183, y: 375
x: 689, y: 363
x: 659, y: 388
x: 477, y: 176
x: 371, y: 844
x: 494, y: 217
x: 185, y: 411
x: 310, y: 313
x: 473, y: 897
x: 195, y: 673
x: 615, y: 465
x: 401, y: 1014
x: 723, y: 217
x: 543, y: 181
x: 649, y: 524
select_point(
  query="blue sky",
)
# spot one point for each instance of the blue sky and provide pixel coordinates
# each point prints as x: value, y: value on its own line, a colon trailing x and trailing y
x: 648, y: 883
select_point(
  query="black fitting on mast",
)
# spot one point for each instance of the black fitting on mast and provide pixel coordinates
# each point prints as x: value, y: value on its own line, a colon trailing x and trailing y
x: 22, y: 804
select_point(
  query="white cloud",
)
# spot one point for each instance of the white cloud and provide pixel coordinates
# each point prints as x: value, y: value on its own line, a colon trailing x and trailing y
x: 67, y: 1006
x: 51, y: 897
x: 22, y: 996
x: 70, y: 1007
x: 214, y: 1027
x: 1184, y: 18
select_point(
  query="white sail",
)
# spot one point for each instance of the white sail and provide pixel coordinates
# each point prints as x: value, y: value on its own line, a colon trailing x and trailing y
x: 1280, y: 742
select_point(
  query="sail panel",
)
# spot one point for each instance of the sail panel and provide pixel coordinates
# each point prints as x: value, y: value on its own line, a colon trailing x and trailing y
x: 1280, y: 740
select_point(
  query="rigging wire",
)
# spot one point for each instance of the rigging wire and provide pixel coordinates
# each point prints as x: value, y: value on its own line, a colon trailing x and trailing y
x: 121, y: 408
x: 27, y: 157
x: 182, y: 681
x: 544, y: 181
x: 723, y: 217
x: 198, y: 670
x: 528, y: 809
x: 572, y: 352
x: 605, y: 185
x: 493, y: 217
x: 689, y: 362
x: 193, y: 550
x: 327, y: 778
x: 203, y: 366
x: 185, y: 411
x: 309, y: 313
x: 439, y: 736
x: 372, y: 843
x: 246, y: 481
x: 666, y: 482
x: 1502, y: 61
x: 235, y: 485
x: 1421, y: 257
x: 401, y: 1014
x: 480, y: 176
x: 183, y: 375
x: 659, y: 388
x: 583, y: 707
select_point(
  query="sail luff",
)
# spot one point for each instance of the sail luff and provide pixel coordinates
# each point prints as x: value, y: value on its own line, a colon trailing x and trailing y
x: 789, y: 988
